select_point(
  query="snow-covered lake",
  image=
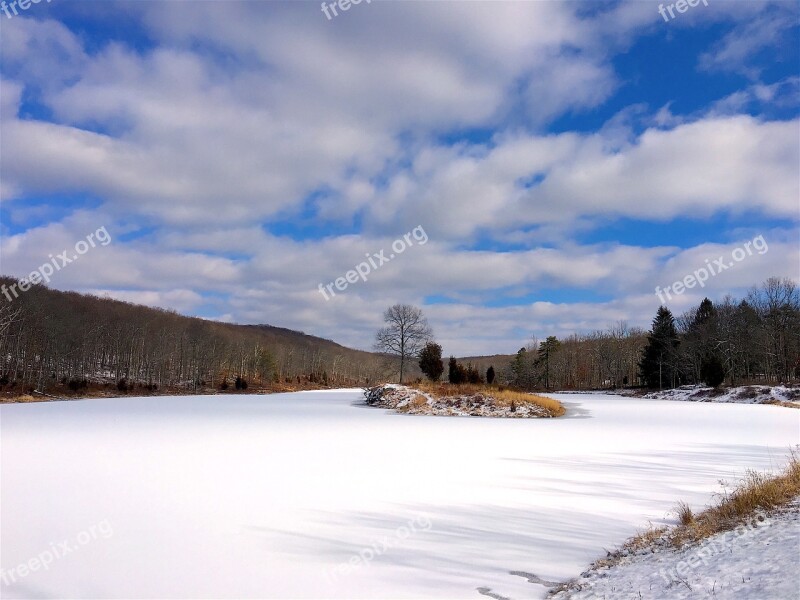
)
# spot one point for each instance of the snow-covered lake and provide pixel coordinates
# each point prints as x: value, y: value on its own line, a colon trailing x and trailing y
x: 312, y: 495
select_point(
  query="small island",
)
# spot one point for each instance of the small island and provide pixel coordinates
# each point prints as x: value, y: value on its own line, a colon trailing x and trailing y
x: 462, y: 400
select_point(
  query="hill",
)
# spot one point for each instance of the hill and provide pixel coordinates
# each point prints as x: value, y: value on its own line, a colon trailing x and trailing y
x: 59, y: 343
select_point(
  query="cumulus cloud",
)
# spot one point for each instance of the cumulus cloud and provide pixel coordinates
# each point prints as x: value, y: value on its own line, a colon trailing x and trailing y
x: 207, y: 146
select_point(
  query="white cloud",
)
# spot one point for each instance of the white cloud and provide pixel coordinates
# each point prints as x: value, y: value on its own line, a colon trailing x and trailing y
x: 242, y: 111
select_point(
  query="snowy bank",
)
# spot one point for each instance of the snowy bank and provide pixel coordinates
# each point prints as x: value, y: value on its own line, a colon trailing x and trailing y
x: 480, y: 404
x: 745, y: 394
x: 748, y: 394
x: 758, y: 559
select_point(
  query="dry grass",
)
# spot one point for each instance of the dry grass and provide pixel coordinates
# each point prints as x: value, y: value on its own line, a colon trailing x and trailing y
x: 756, y: 492
x: 782, y: 403
x: 685, y: 514
x: 417, y: 402
x: 501, y: 395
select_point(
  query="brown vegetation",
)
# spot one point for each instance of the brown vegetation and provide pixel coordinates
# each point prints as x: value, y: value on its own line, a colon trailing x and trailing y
x: 756, y: 492
x: 501, y: 395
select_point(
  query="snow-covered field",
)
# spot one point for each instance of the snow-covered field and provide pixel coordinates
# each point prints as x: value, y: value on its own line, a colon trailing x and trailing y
x: 312, y: 495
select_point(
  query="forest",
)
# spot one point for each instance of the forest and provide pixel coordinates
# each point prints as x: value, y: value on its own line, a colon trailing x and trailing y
x: 63, y: 342
x: 755, y: 339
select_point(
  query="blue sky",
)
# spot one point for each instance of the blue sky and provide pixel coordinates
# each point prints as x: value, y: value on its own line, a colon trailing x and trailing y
x: 562, y: 158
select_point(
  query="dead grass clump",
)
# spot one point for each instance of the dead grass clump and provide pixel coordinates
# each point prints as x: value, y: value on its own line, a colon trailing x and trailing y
x: 441, y: 390
x: 417, y: 402
x: 511, y: 398
x: 685, y: 514
x: 642, y: 540
x: 782, y: 403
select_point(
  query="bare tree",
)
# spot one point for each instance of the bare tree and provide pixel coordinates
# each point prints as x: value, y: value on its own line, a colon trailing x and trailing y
x: 406, y: 333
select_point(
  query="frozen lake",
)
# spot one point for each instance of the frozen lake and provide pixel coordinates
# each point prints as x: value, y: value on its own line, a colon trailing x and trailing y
x: 313, y: 495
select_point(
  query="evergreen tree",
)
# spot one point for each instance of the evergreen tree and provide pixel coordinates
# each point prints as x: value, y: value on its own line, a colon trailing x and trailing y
x: 701, y: 340
x: 712, y: 372
x: 452, y: 370
x: 518, y: 366
x: 658, y: 366
x: 546, y: 349
x: 430, y: 361
x: 456, y: 372
x: 473, y: 375
x: 490, y: 375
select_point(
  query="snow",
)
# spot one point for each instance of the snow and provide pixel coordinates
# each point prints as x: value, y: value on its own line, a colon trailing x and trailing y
x: 313, y: 494
x: 746, y: 394
x: 759, y: 559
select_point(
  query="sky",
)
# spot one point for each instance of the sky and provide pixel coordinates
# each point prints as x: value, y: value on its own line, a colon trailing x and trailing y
x: 515, y: 169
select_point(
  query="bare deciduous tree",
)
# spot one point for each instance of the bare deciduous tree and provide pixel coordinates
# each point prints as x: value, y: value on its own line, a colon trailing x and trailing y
x: 406, y: 333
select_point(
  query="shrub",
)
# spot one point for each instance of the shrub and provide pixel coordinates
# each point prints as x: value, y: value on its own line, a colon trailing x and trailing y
x: 79, y: 384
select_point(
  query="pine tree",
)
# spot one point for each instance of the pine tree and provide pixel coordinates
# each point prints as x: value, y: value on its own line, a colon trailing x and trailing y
x: 658, y: 366
x: 546, y: 349
x: 456, y: 372
x: 452, y: 370
x: 473, y: 375
x: 701, y: 340
x: 430, y: 361
x: 712, y: 372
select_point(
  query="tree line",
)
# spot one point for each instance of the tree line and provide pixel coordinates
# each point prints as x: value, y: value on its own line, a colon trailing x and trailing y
x: 751, y: 340
x: 755, y: 339
x: 51, y: 339
x: 736, y: 341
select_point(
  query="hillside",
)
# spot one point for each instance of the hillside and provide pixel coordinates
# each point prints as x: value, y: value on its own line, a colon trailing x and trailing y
x: 63, y: 342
